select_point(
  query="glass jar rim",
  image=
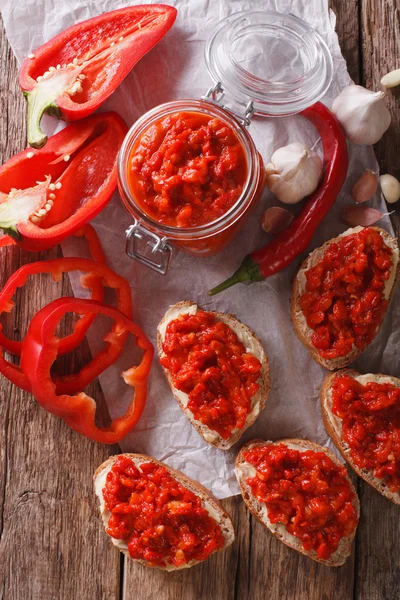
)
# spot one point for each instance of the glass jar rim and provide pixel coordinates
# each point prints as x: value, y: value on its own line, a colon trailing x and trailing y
x: 228, y: 218
x: 269, y: 97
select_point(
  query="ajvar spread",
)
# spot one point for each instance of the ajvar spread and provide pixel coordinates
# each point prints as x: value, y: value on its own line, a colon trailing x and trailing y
x: 188, y: 169
x: 307, y: 492
x: 370, y: 416
x: 162, y: 522
x: 344, y: 301
x: 208, y: 362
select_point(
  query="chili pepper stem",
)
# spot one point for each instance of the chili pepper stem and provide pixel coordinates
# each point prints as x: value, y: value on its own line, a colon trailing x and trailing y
x: 247, y: 272
x: 38, y: 104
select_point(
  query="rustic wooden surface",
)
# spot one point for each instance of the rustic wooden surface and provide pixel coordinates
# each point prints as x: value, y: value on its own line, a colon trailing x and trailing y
x: 51, y: 543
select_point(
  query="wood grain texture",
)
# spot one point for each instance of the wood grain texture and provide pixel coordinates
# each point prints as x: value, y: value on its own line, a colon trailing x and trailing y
x: 52, y: 545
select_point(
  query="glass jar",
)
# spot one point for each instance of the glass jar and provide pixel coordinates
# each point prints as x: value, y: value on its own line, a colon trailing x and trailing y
x: 241, y: 58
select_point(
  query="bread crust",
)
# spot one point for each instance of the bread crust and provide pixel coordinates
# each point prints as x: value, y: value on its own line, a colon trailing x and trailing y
x: 333, y: 427
x: 303, y: 332
x: 258, y: 510
x: 194, y: 486
x: 264, y: 380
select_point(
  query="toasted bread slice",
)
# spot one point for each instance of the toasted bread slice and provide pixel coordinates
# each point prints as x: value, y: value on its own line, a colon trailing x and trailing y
x: 333, y: 426
x: 301, y: 328
x: 209, y: 502
x: 243, y: 470
x: 253, y: 346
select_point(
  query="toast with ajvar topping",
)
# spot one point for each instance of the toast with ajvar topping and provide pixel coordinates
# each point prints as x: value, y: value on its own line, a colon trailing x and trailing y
x: 301, y: 328
x: 209, y: 502
x: 252, y: 345
x: 244, y: 470
x: 333, y: 426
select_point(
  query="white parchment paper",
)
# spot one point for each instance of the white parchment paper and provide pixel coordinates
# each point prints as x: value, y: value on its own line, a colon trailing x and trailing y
x: 176, y: 69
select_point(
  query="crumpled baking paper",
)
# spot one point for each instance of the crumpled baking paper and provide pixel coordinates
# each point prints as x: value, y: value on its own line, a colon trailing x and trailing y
x: 176, y: 69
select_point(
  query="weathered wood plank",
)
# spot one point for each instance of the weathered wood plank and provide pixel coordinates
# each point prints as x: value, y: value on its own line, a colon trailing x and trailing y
x: 51, y: 542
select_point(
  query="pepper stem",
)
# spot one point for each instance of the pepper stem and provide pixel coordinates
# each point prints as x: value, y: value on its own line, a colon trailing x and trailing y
x: 38, y: 104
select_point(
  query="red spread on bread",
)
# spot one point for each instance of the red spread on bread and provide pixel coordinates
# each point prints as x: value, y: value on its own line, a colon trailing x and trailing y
x: 305, y: 491
x: 161, y: 521
x: 207, y: 361
x: 370, y: 418
x: 344, y: 301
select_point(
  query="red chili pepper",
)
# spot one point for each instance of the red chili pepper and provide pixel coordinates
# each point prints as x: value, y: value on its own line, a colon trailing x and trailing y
x: 75, y: 72
x: 94, y: 273
x: 286, y: 246
x: 40, y: 351
x: 18, y: 279
x: 64, y: 185
x: 6, y: 240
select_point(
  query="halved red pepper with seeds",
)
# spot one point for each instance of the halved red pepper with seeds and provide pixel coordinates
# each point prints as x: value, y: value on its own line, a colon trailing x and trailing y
x: 40, y: 351
x: 47, y: 195
x: 75, y: 72
x: 94, y: 274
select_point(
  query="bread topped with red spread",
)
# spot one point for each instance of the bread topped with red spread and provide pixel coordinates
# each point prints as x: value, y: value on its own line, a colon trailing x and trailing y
x: 342, y: 292
x: 361, y: 414
x: 182, y: 524
x: 217, y: 370
x: 302, y: 493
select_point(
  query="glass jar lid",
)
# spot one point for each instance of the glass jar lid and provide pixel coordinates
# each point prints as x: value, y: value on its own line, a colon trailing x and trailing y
x: 276, y: 61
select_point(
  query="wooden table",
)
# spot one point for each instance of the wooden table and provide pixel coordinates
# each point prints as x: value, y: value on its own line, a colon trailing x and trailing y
x: 52, y: 545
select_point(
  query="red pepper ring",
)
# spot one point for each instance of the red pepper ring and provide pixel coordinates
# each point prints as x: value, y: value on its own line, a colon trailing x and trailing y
x: 18, y: 279
x: 70, y: 384
x: 40, y: 351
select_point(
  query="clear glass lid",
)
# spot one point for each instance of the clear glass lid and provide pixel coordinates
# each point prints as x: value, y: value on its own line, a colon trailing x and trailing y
x: 274, y: 60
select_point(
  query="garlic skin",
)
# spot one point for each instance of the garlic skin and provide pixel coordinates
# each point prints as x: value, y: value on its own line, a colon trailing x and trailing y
x: 362, y: 114
x: 293, y: 173
x: 390, y: 187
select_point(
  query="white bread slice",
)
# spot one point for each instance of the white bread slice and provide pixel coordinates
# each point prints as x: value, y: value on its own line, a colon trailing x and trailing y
x: 209, y: 502
x: 243, y: 470
x: 333, y: 426
x: 252, y: 345
x: 301, y: 328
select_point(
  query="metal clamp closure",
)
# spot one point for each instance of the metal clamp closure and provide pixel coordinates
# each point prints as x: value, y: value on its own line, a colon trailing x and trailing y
x: 216, y: 94
x: 148, y: 248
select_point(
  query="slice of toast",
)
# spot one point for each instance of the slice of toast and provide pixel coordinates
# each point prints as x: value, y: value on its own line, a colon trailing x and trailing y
x: 244, y: 470
x: 253, y: 346
x: 209, y: 502
x: 301, y: 328
x: 333, y: 426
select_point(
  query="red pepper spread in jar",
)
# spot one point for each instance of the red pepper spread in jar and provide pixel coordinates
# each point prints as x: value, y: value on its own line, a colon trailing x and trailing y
x: 162, y: 522
x: 370, y: 416
x: 344, y: 301
x: 209, y: 363
x: 307, y: 492
x: 188, y: 169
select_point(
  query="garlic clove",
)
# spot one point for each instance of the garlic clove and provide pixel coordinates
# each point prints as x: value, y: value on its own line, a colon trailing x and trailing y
x: 391, y: 79
x: 362, y: 114
x: 293, y: 173
x: 276, y: 219
x: 361, y: 215
x: 365, y: 187
x: 390, y: 187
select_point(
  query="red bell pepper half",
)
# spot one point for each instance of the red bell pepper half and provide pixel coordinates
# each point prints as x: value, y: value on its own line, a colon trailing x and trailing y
x: 47, y: 195
x: 76, y: 71
x: 115, y: 340
x: 40, y: 351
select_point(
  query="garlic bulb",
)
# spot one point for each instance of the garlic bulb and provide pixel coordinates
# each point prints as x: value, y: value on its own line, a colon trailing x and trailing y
x: 362, y: 114
x: 293, y: 173
x: 390, y: 187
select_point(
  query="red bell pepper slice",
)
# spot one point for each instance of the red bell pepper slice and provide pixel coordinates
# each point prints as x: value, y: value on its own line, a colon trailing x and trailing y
x: 94, y: 271
x: 18, y: 279
x: 47, y: 195
x: 40, y: 351
x: 75, y: 72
